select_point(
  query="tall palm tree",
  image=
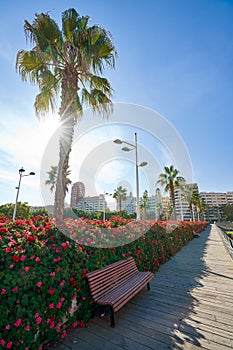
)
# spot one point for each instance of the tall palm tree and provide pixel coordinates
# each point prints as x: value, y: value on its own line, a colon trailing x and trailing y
x: 201, y: 206
x: 144, y: 203
x: 170, y: 180
x: 52, y: 180
x: 190, y: 196
x: 120, y: 194
x: 67, y: 62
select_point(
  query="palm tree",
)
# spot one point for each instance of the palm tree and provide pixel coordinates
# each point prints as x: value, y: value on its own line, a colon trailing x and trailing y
x: 67, y: 62
x: 201, y: 206
x: 170, y: 180
x: 190, y: 196
x: 52, y: 180
x: 120, y: 194
x: 144, y: 203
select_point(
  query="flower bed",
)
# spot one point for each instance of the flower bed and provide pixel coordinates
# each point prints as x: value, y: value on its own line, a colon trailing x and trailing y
x: 44, y: 289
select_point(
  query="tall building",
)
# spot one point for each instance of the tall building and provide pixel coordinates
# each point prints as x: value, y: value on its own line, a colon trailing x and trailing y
x: 77, y: 194
x: 214, y: 202
x: 129, y: 204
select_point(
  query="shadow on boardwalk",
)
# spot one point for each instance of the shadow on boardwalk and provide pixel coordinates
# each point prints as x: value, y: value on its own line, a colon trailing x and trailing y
x: 183, y: 310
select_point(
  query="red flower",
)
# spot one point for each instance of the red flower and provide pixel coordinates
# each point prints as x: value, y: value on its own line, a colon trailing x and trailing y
x: 15, y: 258
x: 8, y: 250
x: 18, y: 322
x: 51, y: 291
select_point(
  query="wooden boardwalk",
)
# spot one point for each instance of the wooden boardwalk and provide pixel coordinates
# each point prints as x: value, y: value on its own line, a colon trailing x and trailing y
x: 188, y: 307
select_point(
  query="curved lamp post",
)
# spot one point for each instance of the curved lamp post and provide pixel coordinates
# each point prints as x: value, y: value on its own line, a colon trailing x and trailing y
x: 21, y: 171
x: 127, y: 149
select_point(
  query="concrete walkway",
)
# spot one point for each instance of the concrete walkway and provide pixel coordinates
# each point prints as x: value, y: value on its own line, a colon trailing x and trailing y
x: 188, y: 307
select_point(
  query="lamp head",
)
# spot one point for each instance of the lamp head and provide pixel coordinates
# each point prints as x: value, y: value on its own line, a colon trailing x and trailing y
x: 118, y: 141
x: 21, y: 170
x: 32, y: 173
x: 125, y: 149
x: 143, y: 164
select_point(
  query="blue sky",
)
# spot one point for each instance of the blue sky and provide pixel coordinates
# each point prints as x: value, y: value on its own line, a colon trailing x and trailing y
x: 174, y: 57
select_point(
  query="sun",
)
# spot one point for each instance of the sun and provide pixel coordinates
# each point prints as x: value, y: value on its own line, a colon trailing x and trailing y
x: 48, y: 126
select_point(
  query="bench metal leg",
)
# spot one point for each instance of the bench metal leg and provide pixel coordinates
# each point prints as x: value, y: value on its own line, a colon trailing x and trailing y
x: 112, y: 320
x: 148, y: 286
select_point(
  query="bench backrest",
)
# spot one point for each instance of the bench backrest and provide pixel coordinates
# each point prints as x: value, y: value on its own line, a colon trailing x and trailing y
x: 103, y: 280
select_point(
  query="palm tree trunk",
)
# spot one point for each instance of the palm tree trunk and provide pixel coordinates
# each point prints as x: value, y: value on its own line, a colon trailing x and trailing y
x: 68, y: 117
x: 172, y: 195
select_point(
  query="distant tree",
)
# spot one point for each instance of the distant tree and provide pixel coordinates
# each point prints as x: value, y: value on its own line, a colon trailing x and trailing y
x: 170, y: 180
x: 227, y: 211
x: 120, y: 194
x: 23, y: 210
x: 40, y: 211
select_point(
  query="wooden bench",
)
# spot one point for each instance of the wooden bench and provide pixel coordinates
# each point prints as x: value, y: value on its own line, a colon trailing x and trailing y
x: 114, y: 285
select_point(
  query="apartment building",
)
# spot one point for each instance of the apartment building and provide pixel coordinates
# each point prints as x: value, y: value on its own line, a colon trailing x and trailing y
x: 214, y: 202
x: 77, y: 194
x: 95, y: 203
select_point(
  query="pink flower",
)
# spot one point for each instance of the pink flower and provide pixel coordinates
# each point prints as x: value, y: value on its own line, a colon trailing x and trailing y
x: 9, y: 345
x: 37, y: 259
x: 59, y: 305
x: 18, y: 322
x: 8, y: 326
x: 52, y: 324
x: 51, y: 306
x: 3, y: 291
x: 62, y: 299
x: 15, y: 289
x: 26, y: 268
x: 84, y: 298
x: 75, y: 324
x: 64, y: 334
x: 11, y: 266
x: 38, y: 320
x: 52, y: 274
x: 39, y: 284
x: 2, y: 342
x: 27, y: 328
x: 62, y: 283
x: 36, y: 315
x: 23, y: 257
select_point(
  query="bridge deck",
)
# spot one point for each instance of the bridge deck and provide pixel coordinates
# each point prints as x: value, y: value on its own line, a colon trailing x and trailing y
x: 188, y: 307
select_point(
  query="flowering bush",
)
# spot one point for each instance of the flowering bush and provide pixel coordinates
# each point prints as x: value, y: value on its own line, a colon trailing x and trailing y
x: 42, y: 284
x: 43, y: 272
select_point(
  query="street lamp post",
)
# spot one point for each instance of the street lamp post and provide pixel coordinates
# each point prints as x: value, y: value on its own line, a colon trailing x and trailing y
x: 21, y: 171
x: 126, y: 149
x: 104, y: 211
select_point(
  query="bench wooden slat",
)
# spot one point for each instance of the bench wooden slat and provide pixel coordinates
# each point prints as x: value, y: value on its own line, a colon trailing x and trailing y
x: 124, y: 292
x: 103, y: 280
x: 114, y: 285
